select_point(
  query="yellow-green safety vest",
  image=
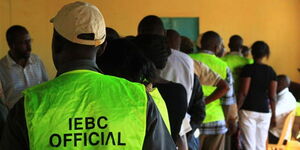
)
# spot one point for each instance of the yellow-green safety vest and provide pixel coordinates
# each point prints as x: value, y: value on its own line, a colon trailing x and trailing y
x: 250, y: 60
x: 214, y: 111
x: 161, y: 105
x: 87, y: 110
x: 236, y: 64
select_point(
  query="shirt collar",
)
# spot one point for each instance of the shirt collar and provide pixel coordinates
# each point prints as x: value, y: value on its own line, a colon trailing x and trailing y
x: 83, y: 64
x: 235, y: 53
x: 11, y: 62
x: 283, y: 91
x: 207, y: 52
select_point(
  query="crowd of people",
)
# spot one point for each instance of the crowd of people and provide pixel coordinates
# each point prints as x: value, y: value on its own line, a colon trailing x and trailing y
x: 152, y: 91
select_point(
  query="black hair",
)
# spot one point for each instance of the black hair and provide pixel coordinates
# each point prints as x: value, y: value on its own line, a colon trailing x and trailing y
x: 283, y: 78
x: 111, y: 34
x: 150, y: 25
x: 186, y: 45
x: 154, y: 48
x: 210, y: 39
x: 260, y: 49
x: 12, y: 32
x: 245, y: 49
x: 122, y: 58
x: 235, y: 42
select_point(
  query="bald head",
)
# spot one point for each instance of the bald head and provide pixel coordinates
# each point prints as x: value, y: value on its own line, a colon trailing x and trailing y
x: 283, y: 82
x: 173, y: 39
x: 211, y: 41
x: 151, y: 25
x: 235, y: 43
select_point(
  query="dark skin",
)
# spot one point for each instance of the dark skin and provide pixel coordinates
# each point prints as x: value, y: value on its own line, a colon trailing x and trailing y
x: 283, y: 82
x: 244, y: 89
x: 236, y: 45
x: 64, y: 52
x: 20, y: 48
x: 173, y: 39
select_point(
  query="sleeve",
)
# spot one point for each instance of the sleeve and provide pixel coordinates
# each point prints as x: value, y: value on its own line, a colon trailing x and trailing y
x: 157, y: 135
x: 197, y: 105
x: 15, y: 131
x: 246, y: 72
x: 205, y: 75
x: 229, y: 98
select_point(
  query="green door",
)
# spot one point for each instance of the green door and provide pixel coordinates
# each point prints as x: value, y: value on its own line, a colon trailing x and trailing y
x: 186, y: 26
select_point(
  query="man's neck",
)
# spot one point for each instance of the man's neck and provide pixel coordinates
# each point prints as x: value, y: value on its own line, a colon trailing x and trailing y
x: 19, y: 60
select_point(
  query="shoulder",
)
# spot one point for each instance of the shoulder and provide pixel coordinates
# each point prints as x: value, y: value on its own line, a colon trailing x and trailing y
x: 35, y: 58
x: 3, y: 61
x: 182, y: 56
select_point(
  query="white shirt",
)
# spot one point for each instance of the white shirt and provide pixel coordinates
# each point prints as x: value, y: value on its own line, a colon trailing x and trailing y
x: 180, y: 69
x: 285, y: 103
x: 15, y: 78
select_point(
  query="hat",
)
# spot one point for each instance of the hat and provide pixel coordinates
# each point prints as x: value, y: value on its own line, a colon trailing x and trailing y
x: 80, y: 18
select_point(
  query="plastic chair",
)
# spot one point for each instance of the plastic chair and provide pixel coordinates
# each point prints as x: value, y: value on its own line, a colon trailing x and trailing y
x: 285, y: 133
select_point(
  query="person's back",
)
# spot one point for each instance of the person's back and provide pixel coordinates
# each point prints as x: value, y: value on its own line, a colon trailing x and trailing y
x: 94, y: 115
x: 234, y: 58
x: 261, y: 76
x: 257, y: 94
x: 213, y: 128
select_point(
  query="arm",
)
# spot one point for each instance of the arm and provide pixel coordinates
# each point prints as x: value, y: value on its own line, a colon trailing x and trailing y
x: 243, y: 91
x: 208, y: 77
x: 157, y: 135
x: 197, y: 106
x: 222, y: 88
x: 272, y: 97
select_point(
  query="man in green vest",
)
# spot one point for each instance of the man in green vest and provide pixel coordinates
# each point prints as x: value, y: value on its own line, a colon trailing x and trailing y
x: 214, y: 127
x: 82, y: 108
x: 234, y: 58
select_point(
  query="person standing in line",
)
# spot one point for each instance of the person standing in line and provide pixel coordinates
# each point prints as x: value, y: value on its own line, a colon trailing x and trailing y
x: 19, y: 69
x: 213, y: 129
x: 169, y: 97
x: 258, y: 85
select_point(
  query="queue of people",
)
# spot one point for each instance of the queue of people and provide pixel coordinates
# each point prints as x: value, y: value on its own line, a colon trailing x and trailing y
x: 151, y: 91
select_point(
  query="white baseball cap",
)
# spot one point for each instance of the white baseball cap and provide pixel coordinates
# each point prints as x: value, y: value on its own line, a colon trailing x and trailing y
x: 79, y: 18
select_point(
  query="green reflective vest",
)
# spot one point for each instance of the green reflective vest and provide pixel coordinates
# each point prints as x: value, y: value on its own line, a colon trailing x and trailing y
x: 214, y: 111
x: 250, y: 60
x: 86, y: 110
x: 161, y: 105
x: 236, y: 64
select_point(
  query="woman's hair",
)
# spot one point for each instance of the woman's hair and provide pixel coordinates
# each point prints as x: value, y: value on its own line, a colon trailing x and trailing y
x: 260, y: 49
x: 122, y: 58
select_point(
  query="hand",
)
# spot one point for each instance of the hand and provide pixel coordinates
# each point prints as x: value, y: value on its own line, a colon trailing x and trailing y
x: 273, y: 121
x: 232, y: 126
